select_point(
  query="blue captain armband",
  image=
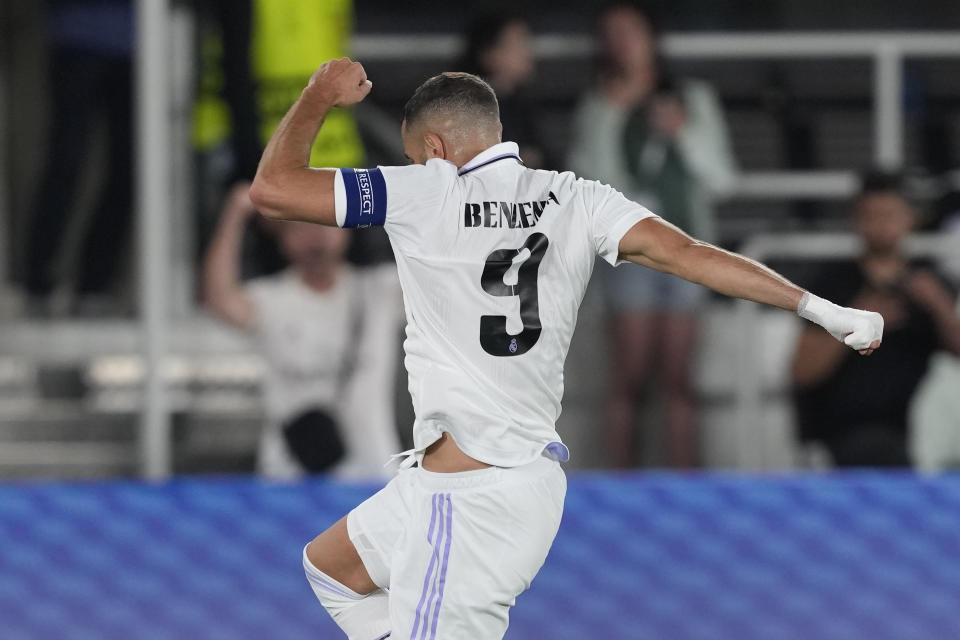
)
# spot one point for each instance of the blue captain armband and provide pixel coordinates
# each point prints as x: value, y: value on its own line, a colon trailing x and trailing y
x: 363, y: 201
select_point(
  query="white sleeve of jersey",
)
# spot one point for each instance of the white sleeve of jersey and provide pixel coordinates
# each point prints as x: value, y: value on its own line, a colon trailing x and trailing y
x: 611, y: 216
x: 390, y: 196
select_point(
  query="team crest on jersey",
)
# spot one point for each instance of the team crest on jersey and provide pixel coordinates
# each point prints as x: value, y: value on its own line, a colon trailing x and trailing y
x: 513, y: 345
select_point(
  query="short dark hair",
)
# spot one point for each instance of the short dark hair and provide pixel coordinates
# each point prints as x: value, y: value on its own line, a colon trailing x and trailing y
x: 876, y: 181
x: 453, y: 91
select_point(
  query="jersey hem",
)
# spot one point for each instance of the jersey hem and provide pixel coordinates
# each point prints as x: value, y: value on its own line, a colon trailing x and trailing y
x: 487, y: 455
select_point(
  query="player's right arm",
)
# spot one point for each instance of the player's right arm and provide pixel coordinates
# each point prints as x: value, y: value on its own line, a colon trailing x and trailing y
x: 286, y: 187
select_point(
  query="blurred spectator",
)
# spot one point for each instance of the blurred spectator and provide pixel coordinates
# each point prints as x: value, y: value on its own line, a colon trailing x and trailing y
x: 90, y: 81
x: 500, y: 50
x: 662, y: 142
x: 857, y: 407
x: 328, y: 333
x: 934, y: 416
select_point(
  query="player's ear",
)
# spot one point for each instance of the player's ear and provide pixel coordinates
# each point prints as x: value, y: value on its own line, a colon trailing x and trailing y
x: 434, y: 147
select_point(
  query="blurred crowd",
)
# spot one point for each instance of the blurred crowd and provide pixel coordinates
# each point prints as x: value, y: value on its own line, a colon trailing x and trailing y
x: 324, y: 308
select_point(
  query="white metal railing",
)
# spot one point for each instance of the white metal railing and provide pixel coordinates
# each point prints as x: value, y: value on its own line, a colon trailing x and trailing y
x: 801, y: 246
x: 886, y: 49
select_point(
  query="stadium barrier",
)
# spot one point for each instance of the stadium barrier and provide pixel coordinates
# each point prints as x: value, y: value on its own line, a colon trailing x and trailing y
x: 638, y: 557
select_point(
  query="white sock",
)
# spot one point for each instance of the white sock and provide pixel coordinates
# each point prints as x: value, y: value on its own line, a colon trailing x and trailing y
x: 361, y: 617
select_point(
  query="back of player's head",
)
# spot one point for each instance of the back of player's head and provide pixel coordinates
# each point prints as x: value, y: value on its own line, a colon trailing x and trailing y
x: 453, y: 95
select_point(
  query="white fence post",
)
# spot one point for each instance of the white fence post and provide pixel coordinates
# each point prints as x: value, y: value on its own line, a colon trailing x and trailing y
x: 888, y: 107
x: 153, y: 211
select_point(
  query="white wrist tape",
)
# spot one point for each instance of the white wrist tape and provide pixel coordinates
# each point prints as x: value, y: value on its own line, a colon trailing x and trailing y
x: 819, y: 311
x: 855, y: 328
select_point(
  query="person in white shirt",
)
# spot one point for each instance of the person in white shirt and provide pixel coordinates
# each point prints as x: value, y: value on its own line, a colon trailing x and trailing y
x: 493, y: 259
x: 328, y: 334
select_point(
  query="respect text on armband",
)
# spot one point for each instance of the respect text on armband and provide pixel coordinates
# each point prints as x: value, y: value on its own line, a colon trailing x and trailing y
x: 366, y: 192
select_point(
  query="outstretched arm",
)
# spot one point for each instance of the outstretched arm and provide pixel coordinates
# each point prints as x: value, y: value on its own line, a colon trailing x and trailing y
x: 286, y: 187
x: 657, y: 244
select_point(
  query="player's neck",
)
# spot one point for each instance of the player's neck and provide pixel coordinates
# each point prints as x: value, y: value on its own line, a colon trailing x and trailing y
x: 464, y: 154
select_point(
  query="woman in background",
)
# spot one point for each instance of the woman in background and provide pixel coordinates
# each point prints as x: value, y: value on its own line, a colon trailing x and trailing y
x: 500, y: 50
x: 662, y: 142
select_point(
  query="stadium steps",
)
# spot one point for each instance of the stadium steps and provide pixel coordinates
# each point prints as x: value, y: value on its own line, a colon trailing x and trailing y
x: 70, y: 398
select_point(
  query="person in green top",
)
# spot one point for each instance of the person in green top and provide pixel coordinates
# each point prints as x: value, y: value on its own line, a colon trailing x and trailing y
x: 662, y: 142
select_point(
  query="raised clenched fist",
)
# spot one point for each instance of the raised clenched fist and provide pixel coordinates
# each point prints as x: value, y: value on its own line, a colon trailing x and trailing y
x: 340, y: 82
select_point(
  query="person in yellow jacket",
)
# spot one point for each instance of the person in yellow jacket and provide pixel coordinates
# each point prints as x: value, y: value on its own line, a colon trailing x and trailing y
x: 254, y: 69
x: 255, y: 57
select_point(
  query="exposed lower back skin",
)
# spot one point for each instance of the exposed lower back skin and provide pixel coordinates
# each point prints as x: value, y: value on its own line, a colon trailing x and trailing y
x: 444, y: 456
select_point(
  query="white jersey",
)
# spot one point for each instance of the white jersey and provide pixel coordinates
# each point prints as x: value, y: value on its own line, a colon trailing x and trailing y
x: 493, y: 259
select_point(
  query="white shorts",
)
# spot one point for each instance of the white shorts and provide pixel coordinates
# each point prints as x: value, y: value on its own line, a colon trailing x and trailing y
x: 454, y: 550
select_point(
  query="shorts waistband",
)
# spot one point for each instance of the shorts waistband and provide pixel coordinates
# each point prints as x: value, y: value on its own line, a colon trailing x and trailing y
x: 484, y: 477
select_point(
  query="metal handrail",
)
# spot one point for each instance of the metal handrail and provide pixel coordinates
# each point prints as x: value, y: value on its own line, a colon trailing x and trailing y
x: 886, y: 49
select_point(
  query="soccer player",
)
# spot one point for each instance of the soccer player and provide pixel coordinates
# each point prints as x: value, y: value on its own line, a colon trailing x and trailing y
x: 493, y: 259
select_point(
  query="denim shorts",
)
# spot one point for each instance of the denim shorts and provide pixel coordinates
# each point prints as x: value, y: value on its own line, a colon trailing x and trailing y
x: 634, y: 288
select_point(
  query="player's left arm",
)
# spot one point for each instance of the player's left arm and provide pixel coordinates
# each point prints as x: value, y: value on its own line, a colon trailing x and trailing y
x: 655, y: 243
x: 286, y: 187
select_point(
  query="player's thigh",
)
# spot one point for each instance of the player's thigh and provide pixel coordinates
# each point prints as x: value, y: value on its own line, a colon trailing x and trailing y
x: 378, y: 525
x: 459, y: 577
x: 333, y: 553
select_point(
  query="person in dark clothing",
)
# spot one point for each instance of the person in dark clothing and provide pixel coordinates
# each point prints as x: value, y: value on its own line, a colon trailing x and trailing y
x: 90, y: 80
x: 858, y: 407
x: 499, y: 49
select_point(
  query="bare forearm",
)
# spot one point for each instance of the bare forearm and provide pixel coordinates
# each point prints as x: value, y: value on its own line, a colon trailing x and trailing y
x: 222, y: 287
x: 660, y: 245
x: 285, y: 163
x: 286, y: 187
x: 289, y: 147
x: 734, y: 275
x: 221, y: 268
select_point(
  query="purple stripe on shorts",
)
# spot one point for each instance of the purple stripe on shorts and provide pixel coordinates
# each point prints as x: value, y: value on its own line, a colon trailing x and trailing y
x: 426, y: 578
x: 443, y: 569
x: 433, y: 518
x: 437, y: 547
